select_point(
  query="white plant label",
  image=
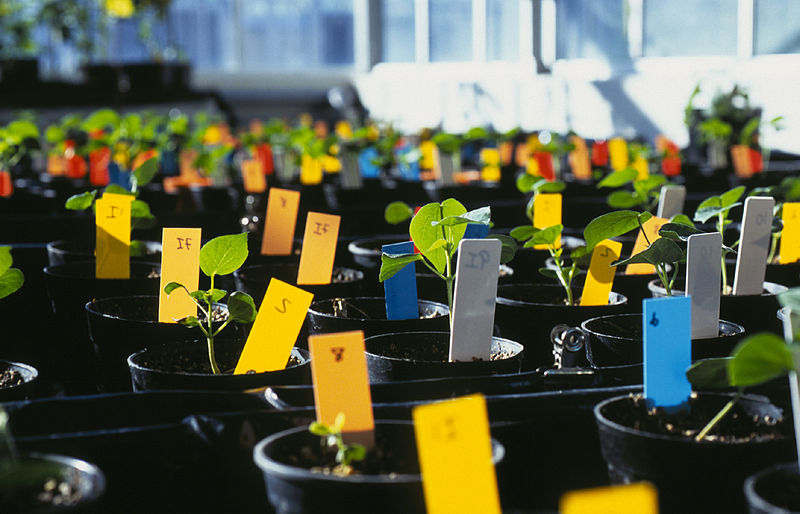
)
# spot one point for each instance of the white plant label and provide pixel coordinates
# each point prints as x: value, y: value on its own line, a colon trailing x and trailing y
x: 671, y: 201
x: 751, y: 263
x: 351, y: 174
x: 703, y: 282
x: 474, y: 299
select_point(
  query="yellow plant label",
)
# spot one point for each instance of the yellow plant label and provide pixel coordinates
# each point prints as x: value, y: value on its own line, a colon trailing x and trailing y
x: 600, y: 278
x: 280, y: 222
x: 641, y: 167
x: 310, y: 170
x: 319, y: 249
x: 546, y: 213
x: 651, y: 228
x: 491, y: 164
x: 253, y: 176
x: 618, y: 151
x: 455, y: 456
x: 341, y: 384
x: 428, y: 159
x: 275, y: 330
x: 113, y: 221
x: 180, y: 262
x: 638, y: 498
x: 790, y: 236
x: 343, y: 130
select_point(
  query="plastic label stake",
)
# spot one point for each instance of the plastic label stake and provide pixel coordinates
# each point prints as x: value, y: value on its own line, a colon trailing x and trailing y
x: 351, y: 175
x: 339, y: 372
x: 180, y: 262
x: 310, y: 170
x: 638, y: 498
x: 667, y: 349
x: 651, y: 228
x: 475, y: 293
x: 751, y: 262
x: 427, y: 159
x: 275, y: 329
x: 671, y: 200
x: 546, y: 213
x: 641, y: 167
x: 600, y: 279
x: 253, y: 176
x: 319, y: 249
x: 401, y: 289
x: 281, y: 219
x: 113, y: 220
x: 790, y: 235
x: 455, y: 456
x: 703, y: 282
x: 618, y: 151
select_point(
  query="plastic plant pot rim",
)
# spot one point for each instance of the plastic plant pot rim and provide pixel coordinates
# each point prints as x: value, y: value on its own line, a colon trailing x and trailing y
x: 770, y: 289
x: 736, y: 328
x: 71, y: 246
x: 298, y: 352
x: 613, y: 298
x: 89, y: 307
x: 98, y: 477
x: 356, y: 248
x: 601, y: 418
x: 436, y: 305
x: 512, y: 345
x: 62, y: 270
x: 34, y: 373
x: 286, y: 471
x: 756, y: 499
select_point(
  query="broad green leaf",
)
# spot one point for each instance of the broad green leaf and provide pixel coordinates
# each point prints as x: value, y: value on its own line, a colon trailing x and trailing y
x: 391, y: 264
x: 546, y: 236
x: 677, y: 231
x: 10, y: 281
x: 549, y: 273
x: 437, y: 244
x: 476, y: 133
x: 116, y: 189
x: 650, y: 183
x: 450, y: 221
x: 618, y: 178
x: 525, y: 182
x: 729, y: 198
x: 54, y: 134
x: 141, y: 217
x: 81, y: 202
x: 397, y: 212
x: 481, y: 215
x: 137, y: 248
x: 623, y: 200
x: 101, y: 119
x: 523, y: 233
x: 508, y: 249
x: 356, y: 451
x: 146, y: 171
x: 23, y: 129
x: 5, y: 258
x: 319, y: 429
x: 581, y: 256
x: 424, y: 234
x: 189, y: 321
x: 172, y: 286
x: 709, y: 373
x: 545, y: 186
x: 217, y: 295
x: 682, y: 219
x: 662, y: 250
x: 224, y: 254
x: 703, y: 214
x: 611, y: 225
x: 241, y: 307
x: 759, y: 358
x: 199, y: 296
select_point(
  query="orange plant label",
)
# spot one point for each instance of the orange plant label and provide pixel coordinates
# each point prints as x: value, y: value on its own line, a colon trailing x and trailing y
x: 651, y: 228
x: 180, y: 262
x: 113, y: 221
x: 319, y: 249
x: 280, y: 222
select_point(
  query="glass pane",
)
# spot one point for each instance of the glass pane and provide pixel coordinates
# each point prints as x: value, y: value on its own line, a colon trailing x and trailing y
x: 451, y: 30
x: 690, y: 27
x: 776, y: 29
x: 397, y: 22
x: 502, y: 30
x: 203, y: 31
x: 591, y: 29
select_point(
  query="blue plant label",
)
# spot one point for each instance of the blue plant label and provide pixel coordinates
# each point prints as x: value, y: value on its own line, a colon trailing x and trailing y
x: 401, y: 289
x: 368, y: 169
x: 667, y: 350
x: 474, y: 300
x: 409, y: 170
x: 117, y: 176
x: 703, y: 282
x: 751, y: 261
x: 476, y: 231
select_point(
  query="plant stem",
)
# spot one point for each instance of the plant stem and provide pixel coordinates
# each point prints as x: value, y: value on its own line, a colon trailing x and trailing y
x: 716, y: 419
x: 773, y: 247
x: 560, y: 273
x: 662, y: 275
x: 210, y: 336
x: 211, y: 358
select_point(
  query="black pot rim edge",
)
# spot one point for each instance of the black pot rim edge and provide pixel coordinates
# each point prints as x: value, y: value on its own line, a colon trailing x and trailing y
x: 420, y: 302
x: 750, y: 487
x: 514, y: 345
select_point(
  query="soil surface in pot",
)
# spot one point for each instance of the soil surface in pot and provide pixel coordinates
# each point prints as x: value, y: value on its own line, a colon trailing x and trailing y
x: 738, y: 426
x: 341, y: 308
x: 11, y: 378
x: 781, y: 490
x: 148, y: 311
x: 172, y: 363
x: 383, y: 459
x: 433, y: 352
x: 49, y: 487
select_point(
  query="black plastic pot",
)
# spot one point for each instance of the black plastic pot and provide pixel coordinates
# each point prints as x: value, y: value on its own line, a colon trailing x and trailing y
x: 70, y: 286
x: 369, y: 315
x: 430, y: 287
x: 366, y: 253
x: 86, y: 480
x: 64, y: 251
x: 21, y: 391
x: 122, y: 325
x: 387, y: 359
x: 527, y: 261
x: 527, y: 313
x: 690, y: 476
x: 756, y: 313
x: 293, y: 490
x: 775, y: 490
x: 254, y: 280
x: 146, y: 375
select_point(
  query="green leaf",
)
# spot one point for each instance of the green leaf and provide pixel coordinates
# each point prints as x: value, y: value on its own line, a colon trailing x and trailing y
x: 117, y: 190
x: 508, y: 249
x: 545, y: 186
x: 618, y: 178
x: 217, y: 295
x: 759, y: 358
x: 397, y: 212
x: 650, y: 183
x: 703, y: 214
x: 682, y: 219
x: 424, y: 234
x: 546, y: 236
x: 450, y: 221
x: 611, y: 225
x: 241, y: 308
x: 137, y: 248
x: 437, y: 244
x: 677, y: 231
x: 224, y: 254
x: 662, y: 250
x: 141, y: 217
x: 199, y: 296
x: 481, y: 215
x: 5, y: 258
x: 189, y: 321
x: 729, y: 198
x: 356, y: 452
x: 391, y: 264
x: 54, y: 134
x: 320, y: 429
x: 101, y: 119
x: 523, y: 233
x: 581, y: 256
x: 549, y: 273
x: 709, y: 373
x: 10, y: 281
x: 81, y: 202
x: 623, y: 200
x: 146, y: 171
x: 172, y: 286
x: 525, y: 182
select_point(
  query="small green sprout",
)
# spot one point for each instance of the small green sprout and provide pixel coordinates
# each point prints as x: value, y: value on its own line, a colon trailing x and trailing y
x: 11, y: 279
x: 332, y: 437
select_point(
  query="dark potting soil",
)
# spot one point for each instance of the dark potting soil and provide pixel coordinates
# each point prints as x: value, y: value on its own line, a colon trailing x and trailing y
x: 148, y: 311
x: 382, y: 459
x: 11, y: 378
x: 781, y: 490
x: 738, y: 425
x: 432, y: 352
x: 179, y: 363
